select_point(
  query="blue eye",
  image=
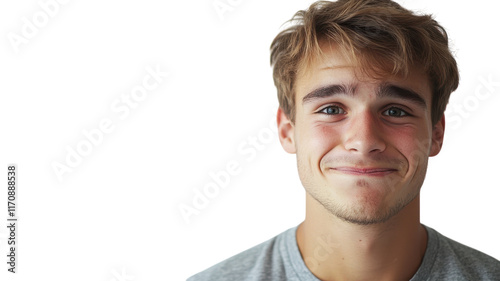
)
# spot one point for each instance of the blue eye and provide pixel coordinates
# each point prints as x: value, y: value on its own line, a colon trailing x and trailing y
x: 332, y: 110
x: 396, y: 112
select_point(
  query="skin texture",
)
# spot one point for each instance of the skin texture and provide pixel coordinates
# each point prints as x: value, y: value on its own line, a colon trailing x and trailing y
x: 362, y: 158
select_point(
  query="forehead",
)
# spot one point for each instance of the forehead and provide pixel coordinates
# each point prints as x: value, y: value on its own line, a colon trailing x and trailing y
x: 332, y: 66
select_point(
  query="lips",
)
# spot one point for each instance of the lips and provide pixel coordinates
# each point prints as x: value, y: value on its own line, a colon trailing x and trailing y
x: 365, y: 171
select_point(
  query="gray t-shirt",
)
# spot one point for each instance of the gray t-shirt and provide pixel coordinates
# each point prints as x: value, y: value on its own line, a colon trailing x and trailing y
x: 279, y: 259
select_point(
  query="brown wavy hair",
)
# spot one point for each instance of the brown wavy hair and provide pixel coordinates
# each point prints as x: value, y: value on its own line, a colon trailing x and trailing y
x: 379, y: 36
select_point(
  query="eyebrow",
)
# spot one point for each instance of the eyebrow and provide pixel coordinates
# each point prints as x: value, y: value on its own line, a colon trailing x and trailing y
x: 393, y: 91
x: 329, y: 91
x: 385, y: 90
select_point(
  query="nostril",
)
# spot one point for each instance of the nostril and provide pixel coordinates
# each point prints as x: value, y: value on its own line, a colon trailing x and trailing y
x: 365, y: 143
x: 363, y: 134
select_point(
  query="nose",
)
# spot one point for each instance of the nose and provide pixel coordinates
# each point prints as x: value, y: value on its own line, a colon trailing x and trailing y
x: 364, y: 134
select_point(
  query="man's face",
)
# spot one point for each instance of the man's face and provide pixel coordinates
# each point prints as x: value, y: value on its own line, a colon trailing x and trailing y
x: 362, y: 144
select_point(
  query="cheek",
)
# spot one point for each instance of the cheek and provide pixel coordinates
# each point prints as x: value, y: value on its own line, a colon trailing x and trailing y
x: 414, y: 147
x: 324, y: 138
x: 314, y: 141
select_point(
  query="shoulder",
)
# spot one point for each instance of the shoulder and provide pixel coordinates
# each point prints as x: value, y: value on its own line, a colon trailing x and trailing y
x: 256, y: 263
x: 455, y: 259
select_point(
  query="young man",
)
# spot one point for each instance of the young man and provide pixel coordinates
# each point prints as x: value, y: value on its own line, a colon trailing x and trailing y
x: 362, y: 86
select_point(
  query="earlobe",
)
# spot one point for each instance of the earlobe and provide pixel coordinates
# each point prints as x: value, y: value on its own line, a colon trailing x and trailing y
x: 285, y: 132
x: 437, y: 137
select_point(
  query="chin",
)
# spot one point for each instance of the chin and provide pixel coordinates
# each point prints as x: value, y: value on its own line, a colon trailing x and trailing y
x: 372, y: 207
x: 364, y: 207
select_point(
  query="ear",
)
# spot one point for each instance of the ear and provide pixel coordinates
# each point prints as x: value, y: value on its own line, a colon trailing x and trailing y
x: 437, y: 137
x: 286, y: 132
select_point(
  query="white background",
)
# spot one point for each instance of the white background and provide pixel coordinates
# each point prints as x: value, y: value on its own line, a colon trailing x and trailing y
x: 116, y: 215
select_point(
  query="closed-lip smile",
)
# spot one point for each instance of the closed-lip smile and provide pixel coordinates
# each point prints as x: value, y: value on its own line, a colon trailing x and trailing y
x: 365, y: 171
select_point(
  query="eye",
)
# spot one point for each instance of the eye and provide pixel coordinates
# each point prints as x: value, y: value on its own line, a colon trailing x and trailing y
x: 332, y: 110
x: 395, y: 112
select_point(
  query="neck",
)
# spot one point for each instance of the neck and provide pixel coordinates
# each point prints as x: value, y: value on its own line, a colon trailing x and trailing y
x: 337, y: 250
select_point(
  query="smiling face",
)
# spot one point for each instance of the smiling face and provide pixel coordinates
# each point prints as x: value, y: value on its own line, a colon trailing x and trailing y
x: 362, y: 144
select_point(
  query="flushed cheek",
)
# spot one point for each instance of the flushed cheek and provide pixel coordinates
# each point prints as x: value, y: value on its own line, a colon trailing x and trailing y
x: 314, y: 142
x: 324, y: 137
x: 416, y: 151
